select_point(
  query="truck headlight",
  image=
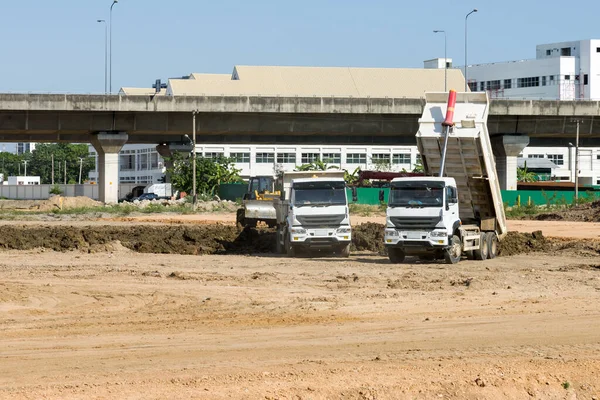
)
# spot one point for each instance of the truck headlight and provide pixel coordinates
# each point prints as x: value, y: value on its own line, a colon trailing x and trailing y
x: 343, y: 230
x: 438, y: 234
x: 299, y: 231
x: 391, y: 232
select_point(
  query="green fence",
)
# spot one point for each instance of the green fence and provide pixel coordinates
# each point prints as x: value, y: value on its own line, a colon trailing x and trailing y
x: 232, y: 191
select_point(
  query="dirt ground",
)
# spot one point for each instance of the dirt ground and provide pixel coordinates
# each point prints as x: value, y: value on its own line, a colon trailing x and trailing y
x: 103, y: 319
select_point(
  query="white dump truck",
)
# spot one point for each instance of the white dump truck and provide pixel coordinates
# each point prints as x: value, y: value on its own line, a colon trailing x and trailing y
x: 312, y: 213
x: 456, y: 208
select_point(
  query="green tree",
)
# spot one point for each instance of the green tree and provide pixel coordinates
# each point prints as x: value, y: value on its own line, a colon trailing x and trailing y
x: 316, y: 166
x: 41, y: 162
x: 210, y: 173
x: 351, y: 178
x: 523, y: 175
x: 11, y: 164
x: 418, y: 166
x: 381, y: 165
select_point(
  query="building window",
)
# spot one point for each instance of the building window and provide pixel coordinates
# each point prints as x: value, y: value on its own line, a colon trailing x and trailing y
x: 401, y: 158
x: 585, y: 79
x: 473, y: 86
x: 143, y: 161
x: 557, y: 159
x: 265, y: 158
x: 380, y: 158
x: 597, y: 49
x: 213, y: 154
x: 332, y: 158
x: 543, y: 81
x: 286, y: 158
x: 356, y: 158
x: 507, y: 83
x: 308, y: 158
x: 548, y: 52
x: 153, y: 160
x: 528, y: 82
x: 551, y: 79
x: 493, y: 85
x: 565, y: 52
x: 240, y: 157
x: 127, y: 162
x: 535, y: 156
x: 482, y: 86
x: 567, y: 77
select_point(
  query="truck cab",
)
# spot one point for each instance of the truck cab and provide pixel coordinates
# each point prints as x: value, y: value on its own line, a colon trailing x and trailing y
x: 313, y: 213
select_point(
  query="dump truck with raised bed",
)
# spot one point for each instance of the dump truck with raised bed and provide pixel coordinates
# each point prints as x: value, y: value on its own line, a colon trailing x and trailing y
x: 456, y: 209
x: 312, y: 213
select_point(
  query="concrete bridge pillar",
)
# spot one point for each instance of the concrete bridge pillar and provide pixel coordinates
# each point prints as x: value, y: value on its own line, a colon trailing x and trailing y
x: 166, y: 151
x: 108, y: 145
x: 506, y: 150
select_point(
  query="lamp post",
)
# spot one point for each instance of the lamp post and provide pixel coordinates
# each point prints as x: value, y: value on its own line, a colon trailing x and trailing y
x: 577, y: 121
x: 466, y: 80
x: 445, y: 60
x: 105, y: 55
x: 110, y: 44
x: 194, y: 194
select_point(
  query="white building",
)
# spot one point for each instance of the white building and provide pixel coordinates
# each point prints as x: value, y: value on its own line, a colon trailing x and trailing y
x: 23, y: 180
x: 138, y: 163
x: 564, y: 159
x: 560, y: 71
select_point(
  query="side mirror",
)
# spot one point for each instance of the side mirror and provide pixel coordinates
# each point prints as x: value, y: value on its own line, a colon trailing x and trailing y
x: 381, y: 195
x: 354, y: 195
x: 282, y: 195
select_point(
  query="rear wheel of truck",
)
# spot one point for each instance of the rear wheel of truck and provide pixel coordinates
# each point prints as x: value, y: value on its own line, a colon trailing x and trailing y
x: 396, y: 255
x: 289, y: 249
x: 345, y: 251
x: 492, y: 244
x: 453, y: 253
x: 482, y: 253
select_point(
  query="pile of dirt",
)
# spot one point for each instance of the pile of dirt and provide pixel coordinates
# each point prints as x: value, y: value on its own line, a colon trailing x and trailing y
x: 61, y: 203
x: 589, y: 212
x: 368, y: 237
x: 523, y: 243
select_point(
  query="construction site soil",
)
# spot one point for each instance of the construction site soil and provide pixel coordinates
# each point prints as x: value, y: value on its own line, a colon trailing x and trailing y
x: 171, y: 307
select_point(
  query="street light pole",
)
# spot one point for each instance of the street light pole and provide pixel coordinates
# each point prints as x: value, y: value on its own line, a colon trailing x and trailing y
x: 445, y: 60
x: 194, y: 191
x: 80, y: 168
x: 466, y: 80
x: 25, y: 162
x: 578, y: 121
x: 105, y: 55
x: 110, y: 23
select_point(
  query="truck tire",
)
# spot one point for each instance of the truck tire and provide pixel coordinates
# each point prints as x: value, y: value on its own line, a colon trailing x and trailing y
x: 395, y: 255
x: 453, y: 253
x: 345, y: 251
x: 492, y: 244
x: 289, y: 249
x: 482, y: 253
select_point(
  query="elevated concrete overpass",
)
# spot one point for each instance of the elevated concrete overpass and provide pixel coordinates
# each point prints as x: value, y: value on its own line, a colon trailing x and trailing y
x: 110, y: 121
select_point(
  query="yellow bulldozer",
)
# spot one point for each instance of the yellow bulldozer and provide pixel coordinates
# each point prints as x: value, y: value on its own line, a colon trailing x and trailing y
x: 257, y: 204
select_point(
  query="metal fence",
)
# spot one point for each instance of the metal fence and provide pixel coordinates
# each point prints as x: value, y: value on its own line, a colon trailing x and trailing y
x: 41, y: 192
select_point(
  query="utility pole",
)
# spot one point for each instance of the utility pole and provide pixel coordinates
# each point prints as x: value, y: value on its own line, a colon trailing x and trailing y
x: 577, y: 121
x: 194, y: 190
x: 52, y: 157
x: 80, y: 168
x: 25, y: 162
x: 65, y: 172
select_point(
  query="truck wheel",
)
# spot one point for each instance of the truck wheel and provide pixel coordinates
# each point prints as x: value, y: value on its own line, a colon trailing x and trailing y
x: 492, y: 245
x: 396, y: 255
x: 345, y: 251
x: 482, y: 253
x: 453, y: 253
x: 289, y: 249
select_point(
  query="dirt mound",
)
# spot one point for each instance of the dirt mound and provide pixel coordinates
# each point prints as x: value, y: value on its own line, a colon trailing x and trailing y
x: 368, y: 237
x: 548, y: 217
x: 589, y: 212
x: 520, y: 243
x: 61, y: 203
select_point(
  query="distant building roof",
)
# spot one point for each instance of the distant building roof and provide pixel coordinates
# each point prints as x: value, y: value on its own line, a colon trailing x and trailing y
x: 131, y: 91
x: 536, y: 163
x: 318, y: 81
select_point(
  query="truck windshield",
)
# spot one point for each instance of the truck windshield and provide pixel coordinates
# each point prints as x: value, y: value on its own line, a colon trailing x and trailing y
x: 417, y: 194
x: 319, y: 193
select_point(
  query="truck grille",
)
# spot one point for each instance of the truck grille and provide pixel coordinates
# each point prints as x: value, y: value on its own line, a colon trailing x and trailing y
x: 415, y: 222
x: 320, y: 220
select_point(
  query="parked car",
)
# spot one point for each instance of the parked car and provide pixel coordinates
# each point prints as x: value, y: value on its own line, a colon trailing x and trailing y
x: 148, y: 196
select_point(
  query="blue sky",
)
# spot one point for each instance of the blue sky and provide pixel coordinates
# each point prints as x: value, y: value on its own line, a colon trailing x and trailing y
x: 57, y: 46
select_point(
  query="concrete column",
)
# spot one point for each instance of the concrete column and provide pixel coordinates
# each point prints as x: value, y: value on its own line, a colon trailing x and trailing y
x: 108, y: 145
x: 506, y: 150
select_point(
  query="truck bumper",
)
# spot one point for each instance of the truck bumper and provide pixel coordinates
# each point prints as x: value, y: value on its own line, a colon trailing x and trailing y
x: 419, y: 240
x: 321, y: 238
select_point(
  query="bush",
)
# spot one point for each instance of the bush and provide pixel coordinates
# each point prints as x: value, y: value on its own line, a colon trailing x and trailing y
x: 56, y: 190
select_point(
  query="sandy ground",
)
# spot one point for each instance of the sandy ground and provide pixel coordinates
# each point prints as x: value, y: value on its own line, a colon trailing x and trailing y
x: 148, y: 326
